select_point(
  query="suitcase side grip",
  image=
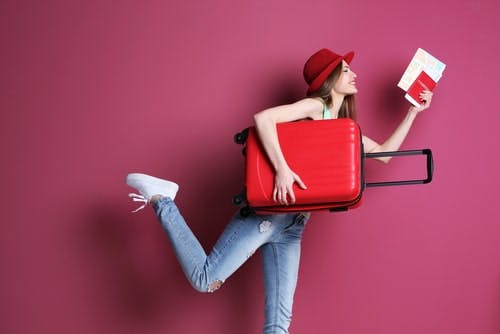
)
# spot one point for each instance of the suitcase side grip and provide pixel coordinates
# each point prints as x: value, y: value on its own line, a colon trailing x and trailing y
x: 430, y: 167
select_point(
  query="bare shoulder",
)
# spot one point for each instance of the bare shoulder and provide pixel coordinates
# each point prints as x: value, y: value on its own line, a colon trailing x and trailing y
x: 312, y: 105
x: 311, y: 108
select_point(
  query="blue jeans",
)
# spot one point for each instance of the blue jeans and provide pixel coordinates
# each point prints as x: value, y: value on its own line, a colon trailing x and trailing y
x: 278, y: 236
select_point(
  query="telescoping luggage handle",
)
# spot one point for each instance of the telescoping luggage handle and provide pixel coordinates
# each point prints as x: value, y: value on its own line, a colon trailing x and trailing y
x: 430, y: 167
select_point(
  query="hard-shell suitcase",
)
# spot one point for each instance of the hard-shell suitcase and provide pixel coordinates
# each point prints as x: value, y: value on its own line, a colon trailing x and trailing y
x: 328, y: 156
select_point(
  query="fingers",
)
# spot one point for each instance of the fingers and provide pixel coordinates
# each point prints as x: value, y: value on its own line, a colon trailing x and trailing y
x: 301, y: 184
x: 426, y: 96
x: 290, y: 191
x: 284, y: 195
x: 283, y: 191
x: 292, y: 197
x: 280, y: 195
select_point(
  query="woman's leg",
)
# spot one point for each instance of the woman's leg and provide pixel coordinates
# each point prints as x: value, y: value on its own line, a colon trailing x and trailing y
x: 280, y: 234
x: 240, y: 239
x: 281, y: 259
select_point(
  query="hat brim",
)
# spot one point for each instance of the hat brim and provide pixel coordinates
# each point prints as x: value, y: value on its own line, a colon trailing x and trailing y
x: 318, y: 81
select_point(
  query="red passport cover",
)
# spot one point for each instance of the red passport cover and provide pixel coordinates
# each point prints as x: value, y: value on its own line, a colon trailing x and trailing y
x: 419, y: 85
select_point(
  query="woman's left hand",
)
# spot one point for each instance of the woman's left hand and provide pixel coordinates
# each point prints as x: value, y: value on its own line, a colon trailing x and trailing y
x: 426, y: 97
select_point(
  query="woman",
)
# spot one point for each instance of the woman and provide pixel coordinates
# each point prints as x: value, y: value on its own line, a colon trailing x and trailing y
x: 330, y: 94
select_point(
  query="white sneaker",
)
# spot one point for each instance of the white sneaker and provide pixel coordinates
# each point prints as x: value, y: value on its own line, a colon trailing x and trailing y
x: 149, y: 186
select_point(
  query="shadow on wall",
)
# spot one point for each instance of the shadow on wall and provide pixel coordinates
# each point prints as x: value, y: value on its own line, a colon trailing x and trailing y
x: 134, y: 275
x: 119, y: 258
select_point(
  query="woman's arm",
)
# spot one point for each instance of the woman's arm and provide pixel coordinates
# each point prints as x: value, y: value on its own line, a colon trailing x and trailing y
x: 265, y: 123
x: 393, y: 143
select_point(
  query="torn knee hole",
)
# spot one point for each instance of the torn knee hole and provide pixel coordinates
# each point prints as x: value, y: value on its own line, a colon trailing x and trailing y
x: 264, y: 226
x: 215, y: 286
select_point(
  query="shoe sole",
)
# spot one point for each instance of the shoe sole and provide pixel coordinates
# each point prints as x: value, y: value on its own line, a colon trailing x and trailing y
x: 135, y: 179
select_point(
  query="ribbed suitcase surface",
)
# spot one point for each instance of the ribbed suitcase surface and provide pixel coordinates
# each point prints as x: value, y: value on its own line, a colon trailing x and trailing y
x: 326, y: 154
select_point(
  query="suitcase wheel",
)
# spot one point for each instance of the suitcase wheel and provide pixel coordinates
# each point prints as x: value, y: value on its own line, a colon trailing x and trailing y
x: 240, y: 198
x: 241, y: 137
x: 246, y: 211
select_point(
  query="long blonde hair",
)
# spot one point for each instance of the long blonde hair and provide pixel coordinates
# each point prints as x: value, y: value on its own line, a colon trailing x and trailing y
x: 348, y: 107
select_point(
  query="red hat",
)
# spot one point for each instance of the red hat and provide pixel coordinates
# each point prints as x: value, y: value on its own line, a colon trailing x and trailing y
x: 320, y: 65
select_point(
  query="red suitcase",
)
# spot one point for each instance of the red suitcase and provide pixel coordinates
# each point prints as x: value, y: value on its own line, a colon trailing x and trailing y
x: 328, y: 155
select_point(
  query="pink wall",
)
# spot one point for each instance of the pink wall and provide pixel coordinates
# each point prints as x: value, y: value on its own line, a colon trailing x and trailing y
x: 92, y: 90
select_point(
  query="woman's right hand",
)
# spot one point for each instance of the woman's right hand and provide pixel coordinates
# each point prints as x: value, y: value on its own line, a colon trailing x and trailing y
x: 283, y: 186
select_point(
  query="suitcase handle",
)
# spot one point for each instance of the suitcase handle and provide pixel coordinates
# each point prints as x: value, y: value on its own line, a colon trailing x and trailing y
x: 430, y: 167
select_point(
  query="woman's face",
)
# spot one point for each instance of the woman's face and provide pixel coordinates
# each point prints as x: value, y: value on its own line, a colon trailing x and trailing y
x: 346, y: 83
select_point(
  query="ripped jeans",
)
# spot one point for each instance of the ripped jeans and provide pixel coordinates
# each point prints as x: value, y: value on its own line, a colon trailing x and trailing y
x: 278, y: 236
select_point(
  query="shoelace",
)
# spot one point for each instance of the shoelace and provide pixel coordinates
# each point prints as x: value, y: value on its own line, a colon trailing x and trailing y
x: 138, y: 198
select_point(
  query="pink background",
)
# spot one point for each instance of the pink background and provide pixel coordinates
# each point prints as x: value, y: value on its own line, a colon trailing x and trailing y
x: 92, y: 90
